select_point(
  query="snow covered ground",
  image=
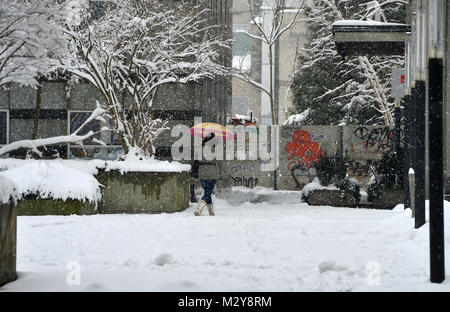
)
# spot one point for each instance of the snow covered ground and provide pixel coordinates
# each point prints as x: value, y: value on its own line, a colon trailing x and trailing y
x: 247, y: 246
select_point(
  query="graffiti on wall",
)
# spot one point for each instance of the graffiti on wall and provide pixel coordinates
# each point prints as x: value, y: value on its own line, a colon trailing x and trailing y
x: 250, y: 182
x: 303, y: 152
x: 373, y: 141
x: 360, y: 170
x: 243, y: 168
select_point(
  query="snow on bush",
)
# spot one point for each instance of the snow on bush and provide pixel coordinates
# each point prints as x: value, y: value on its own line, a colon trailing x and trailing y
x: 7, y: 190
x: 315, y: 185
x: 297, y: 119
x: 52, y: 180
x: 258, y: 194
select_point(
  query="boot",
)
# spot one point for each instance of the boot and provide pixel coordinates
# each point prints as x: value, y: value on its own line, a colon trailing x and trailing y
x: 210, y: 209
x: 200, y: 207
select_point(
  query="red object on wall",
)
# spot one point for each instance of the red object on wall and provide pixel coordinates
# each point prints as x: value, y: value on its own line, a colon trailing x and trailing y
x: 402, y: 79
x: 302, y: 146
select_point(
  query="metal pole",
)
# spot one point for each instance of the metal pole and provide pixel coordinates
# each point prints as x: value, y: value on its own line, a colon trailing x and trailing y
x: 412, y: 135
x: 419, y: 158
x: 397, y: 135
x: 436, y: 167
x: 397, y: 116
x: 407, y: 149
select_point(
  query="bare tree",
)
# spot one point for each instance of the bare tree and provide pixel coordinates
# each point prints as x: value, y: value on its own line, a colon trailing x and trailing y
x: 269, y: 33
x: 134, y: 49
x: 31, y: 40
x: 32, y: 46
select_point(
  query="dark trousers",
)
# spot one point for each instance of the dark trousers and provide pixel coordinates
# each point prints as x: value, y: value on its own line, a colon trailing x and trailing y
x: 208, y: 187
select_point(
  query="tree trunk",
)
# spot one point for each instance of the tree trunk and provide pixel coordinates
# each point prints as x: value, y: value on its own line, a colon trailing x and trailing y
x: 271, y: 84
x: 37, y: 111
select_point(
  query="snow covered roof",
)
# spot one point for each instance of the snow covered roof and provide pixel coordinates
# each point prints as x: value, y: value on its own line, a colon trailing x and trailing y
x: 356, y: 37
x: 360, y: 23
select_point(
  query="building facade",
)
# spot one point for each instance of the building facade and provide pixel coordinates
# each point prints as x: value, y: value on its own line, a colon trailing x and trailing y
x: 59, y: 107
x: 251, y: 56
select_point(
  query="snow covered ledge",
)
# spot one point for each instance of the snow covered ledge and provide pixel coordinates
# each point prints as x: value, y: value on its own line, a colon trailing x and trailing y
x: 143, y: 189
x: 8, y: 231
x: 49, y: 187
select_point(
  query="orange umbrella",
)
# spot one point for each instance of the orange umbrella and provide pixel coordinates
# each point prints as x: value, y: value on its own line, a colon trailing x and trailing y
x: 206, y: 128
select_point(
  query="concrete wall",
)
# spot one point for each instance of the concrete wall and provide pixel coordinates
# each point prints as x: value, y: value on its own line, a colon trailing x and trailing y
x: 131, y: 192
x: 143, y: 192
x: 43, y: 207
x: 8, y: 238
x: 300, y: 146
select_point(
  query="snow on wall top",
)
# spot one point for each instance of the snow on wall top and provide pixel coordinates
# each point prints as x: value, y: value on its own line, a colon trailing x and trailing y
x: 364, y: 23
x: 68, y: 179
x: 92, y: 166
x: 53, y: 180
x: 7, y: 190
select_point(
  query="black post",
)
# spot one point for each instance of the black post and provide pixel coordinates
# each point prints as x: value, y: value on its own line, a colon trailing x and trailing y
x: 407, y: 149
x: 436, y: 167
x: 419, y: 157
x: 397, y: 117
x: 412, y: 135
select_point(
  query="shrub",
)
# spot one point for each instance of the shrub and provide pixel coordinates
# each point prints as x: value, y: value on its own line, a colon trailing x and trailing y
x: 340, y: 166
x: 325, y: 169
x: 350, y: 186
x: 391, y: 169
x: 329, y: 167
x: 374, y: 191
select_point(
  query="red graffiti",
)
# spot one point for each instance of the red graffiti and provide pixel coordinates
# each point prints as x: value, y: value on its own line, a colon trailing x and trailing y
x: 302, y: 146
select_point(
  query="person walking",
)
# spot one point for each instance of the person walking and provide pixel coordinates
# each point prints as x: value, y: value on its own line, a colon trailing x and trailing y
x: 208, y: 173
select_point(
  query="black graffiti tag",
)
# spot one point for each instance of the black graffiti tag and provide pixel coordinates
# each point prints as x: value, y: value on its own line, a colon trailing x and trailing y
x: 381, y: 138
x: 245, y: 181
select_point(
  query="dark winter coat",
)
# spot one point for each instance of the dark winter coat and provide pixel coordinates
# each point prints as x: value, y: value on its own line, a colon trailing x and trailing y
x: 205, y: 170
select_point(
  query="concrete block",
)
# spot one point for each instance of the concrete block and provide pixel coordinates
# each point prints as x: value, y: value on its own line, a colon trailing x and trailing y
x: 8, y: 243
x: 143, y: 192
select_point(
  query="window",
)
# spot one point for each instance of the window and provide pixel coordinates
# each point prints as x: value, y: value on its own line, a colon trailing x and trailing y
x: 240, y: 105
x: 242, y: 45
x: 92, y: 148
x: 242, y: 42
x: 4, y: 127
